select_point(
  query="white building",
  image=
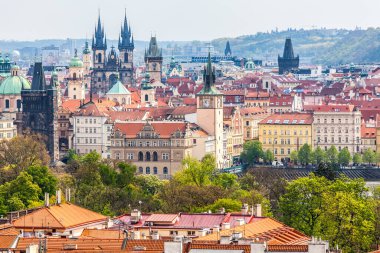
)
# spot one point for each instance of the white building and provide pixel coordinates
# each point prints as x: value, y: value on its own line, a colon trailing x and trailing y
x: 91, y: 131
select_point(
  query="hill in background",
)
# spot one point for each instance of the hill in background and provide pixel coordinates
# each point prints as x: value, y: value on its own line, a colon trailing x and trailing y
x: 317, y: 46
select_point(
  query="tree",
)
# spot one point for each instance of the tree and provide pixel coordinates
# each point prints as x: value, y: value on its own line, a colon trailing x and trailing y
x: 230, y: 205
x: 305, y: 154
x: 252, y: 152
x: 196, y: 172
x: 268, y: 156
x: 369, y: 156
x: 42, y: 176
x: 344, y: 157
x: 332, y: 155
x: 319, y: 155
x: 301, y: 204
x: 357, y: 159
x: 294, y: 156
x: 20, y: 153
x: 327, y: 170
x: 348, y: 216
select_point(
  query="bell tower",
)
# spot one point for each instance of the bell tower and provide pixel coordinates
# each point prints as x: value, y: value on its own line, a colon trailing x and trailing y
x: 126, y: 46
x: 75, y: 86
x: 210, y: 111
x: 86, y: 57
x: 99, y: 46
x: 153, y: 60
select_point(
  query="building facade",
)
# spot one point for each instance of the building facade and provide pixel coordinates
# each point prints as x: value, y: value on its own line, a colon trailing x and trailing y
x: 91, y: 131
x: 284, y: 133
x: 337, y: 125
x: 156, y: 148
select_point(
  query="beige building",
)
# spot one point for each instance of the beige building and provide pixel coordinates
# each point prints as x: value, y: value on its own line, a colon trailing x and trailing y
x: 251, y: 118
x: 120, y: 94
x: 233, y: 135
x: 7, y: 129
x: 157, y: 147
x: 284, y: 133
x: 338, y: 125
x: 91, y: 130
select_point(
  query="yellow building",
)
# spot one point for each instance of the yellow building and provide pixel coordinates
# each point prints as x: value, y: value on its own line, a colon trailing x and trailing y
x: 283, y: 133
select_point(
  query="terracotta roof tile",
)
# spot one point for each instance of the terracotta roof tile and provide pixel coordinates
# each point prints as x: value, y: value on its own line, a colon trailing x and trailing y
x: 289, y: 118
x: 164, y: 128
x: 6, y: 241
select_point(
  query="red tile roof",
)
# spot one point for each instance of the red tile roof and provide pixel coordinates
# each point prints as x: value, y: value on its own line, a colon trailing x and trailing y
x: 329, y: 108
x: 289, y: 119
x: 164, y: 128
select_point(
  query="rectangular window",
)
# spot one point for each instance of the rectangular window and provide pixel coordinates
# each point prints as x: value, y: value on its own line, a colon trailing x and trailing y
x: 165, y: 156
x: 130, y: 156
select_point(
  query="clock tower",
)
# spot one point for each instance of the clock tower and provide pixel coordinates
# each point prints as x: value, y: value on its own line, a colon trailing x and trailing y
x: 210, y: 111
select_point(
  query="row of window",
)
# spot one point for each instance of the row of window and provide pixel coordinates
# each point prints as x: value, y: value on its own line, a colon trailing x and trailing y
x: 5, y: 125
x: 286, y: 132
x: 296, y: 141
x: 87, y: 140
x: 338, y: 140
x: 148, y: 156
x: 89, y: 121
x: 87, y: 130
x: 165, y: 170
x: 7, y: 135
x: 8, y: 103
x: 339, y: 121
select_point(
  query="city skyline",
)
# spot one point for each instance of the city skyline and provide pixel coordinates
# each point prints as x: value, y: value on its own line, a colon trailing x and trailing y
x: 198, y: 20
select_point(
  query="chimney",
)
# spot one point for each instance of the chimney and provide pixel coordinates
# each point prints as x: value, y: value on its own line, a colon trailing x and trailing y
x: 135, y: 216
x: 225, y: 239
x: 46, y: 199
x: 239, y: 222
x: 216, y: 229
x: 316, y: 245
x: 201, y: 233
x: 244, y: 209
x: 226, y: 225
x: 58, y: 197
x: 68, y: 195
x: 258, y: 247
x: 222, y: 210
x: 155, y: 236
x: 236, y: 236
x: 173, y: 247
x: 257, y: 211
x: 33, y: 248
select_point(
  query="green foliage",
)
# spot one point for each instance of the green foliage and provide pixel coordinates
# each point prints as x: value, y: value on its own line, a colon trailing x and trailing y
x: 332, y: 155
x: 357, y: 158
x: 327, y: 170
x: 294, y: 156
x: 338, y: 211
x: 42, y: 176
x: 252, y: 152
x: 230, y: 205
x: 319, y: 155
x: 305, y: 154
x: 344, y: 157
x: 196, y: 172
x: 268, y: 156
x: 369, y: 156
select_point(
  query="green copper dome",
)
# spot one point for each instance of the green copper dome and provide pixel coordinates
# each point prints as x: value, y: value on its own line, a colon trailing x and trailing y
x: 7, y: 60
x: 75, y: 61
x: 13, y: 85
x: 1, y: 58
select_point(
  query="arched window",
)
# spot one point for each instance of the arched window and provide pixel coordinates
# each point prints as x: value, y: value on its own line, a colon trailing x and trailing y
x: 7, y: 103
x: 141, y: 170
x: 125, y: 57
x: 123, y: 100
x: 75, y: 76
x: 147, y: 170
x: 147, y: 156
x: 155, y: 171
x: 146, y: 98
x: 99, y: 58
x: 165, y: 170
x: 141, y: 156
x: 155, y: 156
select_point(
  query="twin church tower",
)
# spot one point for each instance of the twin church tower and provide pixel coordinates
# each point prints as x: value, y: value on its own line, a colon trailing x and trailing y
x: 108, y: 68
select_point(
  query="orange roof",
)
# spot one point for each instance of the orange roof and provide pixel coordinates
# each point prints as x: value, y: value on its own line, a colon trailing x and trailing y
x: 329, y: 108
x: 162, y: 218
x: 6, y: 241
x: 267, y: 229
x: 103, y: 234
x: 61, y: 216
x: 164, y: 128
x: 127, y: 115
x: 368, y: 132
x: 289, y: 119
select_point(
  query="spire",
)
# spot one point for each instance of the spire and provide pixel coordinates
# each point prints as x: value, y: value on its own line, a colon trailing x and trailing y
x: 209, y: 79
x: 288, y: 49
x: 125, y: 35
x: 38, y: 81
x: 153, y: 50
x: 227, y: 51
x: 98, y: 36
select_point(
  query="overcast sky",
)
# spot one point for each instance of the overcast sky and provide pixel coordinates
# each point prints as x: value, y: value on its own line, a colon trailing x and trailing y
x: 179, y: 19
